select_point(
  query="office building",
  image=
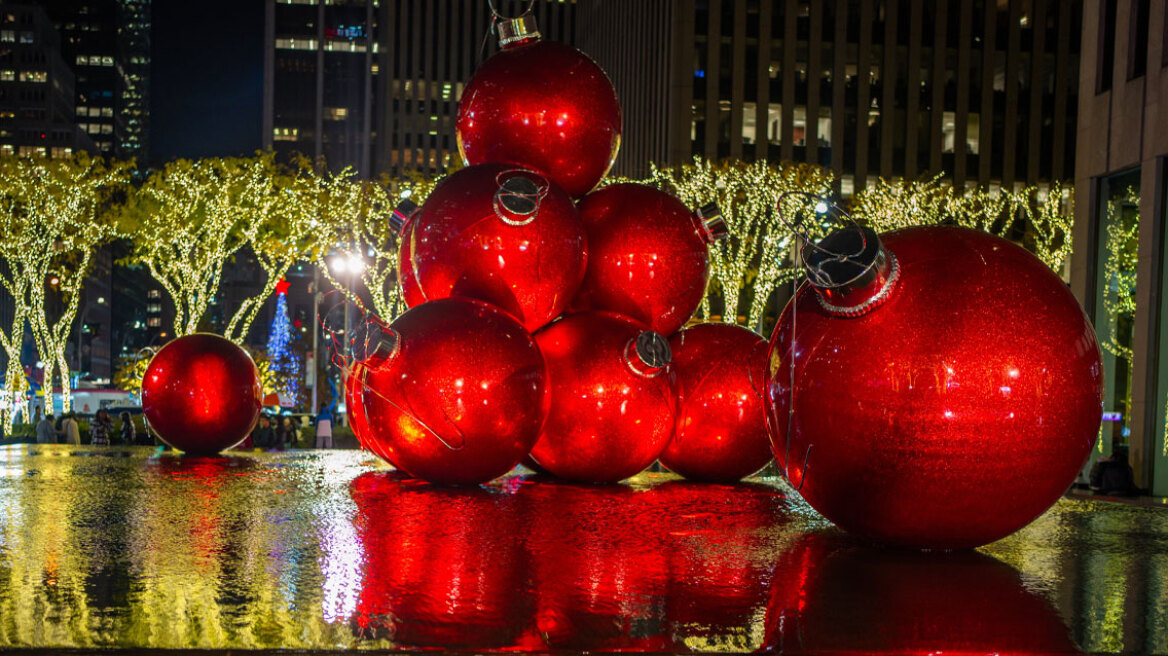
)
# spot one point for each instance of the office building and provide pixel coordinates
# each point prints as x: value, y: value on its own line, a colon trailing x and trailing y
x: 983, y: 91
x: 36, y: 87
x: 375, y: 85
x: 107, y: 45
x: 1118, y: 269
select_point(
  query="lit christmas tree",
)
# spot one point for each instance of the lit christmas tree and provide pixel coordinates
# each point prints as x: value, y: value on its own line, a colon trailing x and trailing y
x: 285, y: 364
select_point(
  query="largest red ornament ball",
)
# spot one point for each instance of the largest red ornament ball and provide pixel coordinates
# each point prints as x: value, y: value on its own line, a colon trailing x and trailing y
x: 612, y: 402
x: 946, y: 387
x: 721, y: 428
x: 648, y: 255
x: 499, y: 234
x: 541, y: 105
x: 461, y: 397
x: 201, y: 394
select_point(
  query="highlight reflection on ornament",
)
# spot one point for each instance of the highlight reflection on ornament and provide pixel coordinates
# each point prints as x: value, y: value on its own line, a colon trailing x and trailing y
x: 201, y: 394
x: 943, y: 397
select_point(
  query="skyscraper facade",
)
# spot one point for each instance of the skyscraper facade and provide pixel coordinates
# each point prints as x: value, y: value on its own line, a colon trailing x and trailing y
x: 107, y: 45
x: 981, y: 91
x: 36, y: 87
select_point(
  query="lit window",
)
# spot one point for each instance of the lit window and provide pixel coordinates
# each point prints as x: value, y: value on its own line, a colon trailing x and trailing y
x: 154, y: 307
x: 107, y: 112
x: 336, y: 113
x: 8, y: 36
x: 297, y: 2
x: 286, y: 134
x: 154, y: 322
x: 107, y: 129
x: 82, y: 60
x: 7, y: 76
x: 296, y: 44
x: 154, y: 293
x: 27, y: 37
x: 6, y: 149
x: 34, y: 76
x: 107, y: 61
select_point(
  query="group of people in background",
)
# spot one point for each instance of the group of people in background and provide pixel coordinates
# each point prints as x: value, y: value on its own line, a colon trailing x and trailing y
x: 282, y: 432
x: 271, y: 432
x: 102, y: 430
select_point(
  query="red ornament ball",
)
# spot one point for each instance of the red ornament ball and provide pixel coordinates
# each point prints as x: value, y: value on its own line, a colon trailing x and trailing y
x: 544, y: 106
x: 721, y: 427
x: 202, y: 394
x: 612, y: 401
x: 947, y: 387
x: 498, y: 234
x: 648, y: 255
x: 461, y: 398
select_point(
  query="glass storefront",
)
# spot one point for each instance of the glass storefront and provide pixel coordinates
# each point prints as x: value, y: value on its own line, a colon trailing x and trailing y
x: 1115, y: 301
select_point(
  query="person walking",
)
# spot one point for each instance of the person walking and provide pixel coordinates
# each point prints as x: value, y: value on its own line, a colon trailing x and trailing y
x: 45, y: 432
x: 324, y: 428
x: 263, y: 437
x: 100, y: 428
x: 71, y: 430
x: 128, y: 433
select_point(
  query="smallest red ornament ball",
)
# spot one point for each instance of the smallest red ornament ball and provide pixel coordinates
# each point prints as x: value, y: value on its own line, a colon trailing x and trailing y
x: 202, y: 394
x: 612, y: 400
x: 648, y: 255
x: 721, y: 432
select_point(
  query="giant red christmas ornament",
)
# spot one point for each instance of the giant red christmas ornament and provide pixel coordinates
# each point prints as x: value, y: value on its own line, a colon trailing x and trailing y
x: 648, y: 255
x: 411, y: 292
x: 461, y: 396
x: 498, y: 234
x: 721, y: 430
x: 612, y: 403
x: 201, y: 394
x: 946, y: 386
x: 541, y: 105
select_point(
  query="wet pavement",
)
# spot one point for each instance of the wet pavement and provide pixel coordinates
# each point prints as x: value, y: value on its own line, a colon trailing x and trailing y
x: 126, y: 548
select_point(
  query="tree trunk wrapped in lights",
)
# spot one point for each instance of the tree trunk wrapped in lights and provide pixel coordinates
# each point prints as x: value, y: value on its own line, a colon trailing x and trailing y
x: 54, y: 217
x: 754, y: 261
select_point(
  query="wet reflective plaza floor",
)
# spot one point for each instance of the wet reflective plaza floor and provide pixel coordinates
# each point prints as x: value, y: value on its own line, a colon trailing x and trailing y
x: 128, y: 548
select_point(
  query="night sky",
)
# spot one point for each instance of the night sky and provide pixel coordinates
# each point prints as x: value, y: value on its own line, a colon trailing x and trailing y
x: 206, y: 78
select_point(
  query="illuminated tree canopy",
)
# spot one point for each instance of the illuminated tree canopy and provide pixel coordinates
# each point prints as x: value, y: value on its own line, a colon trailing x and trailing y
x: 53, y: 220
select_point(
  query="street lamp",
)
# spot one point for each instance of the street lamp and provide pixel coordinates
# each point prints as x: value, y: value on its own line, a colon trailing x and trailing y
x: 346, y: 266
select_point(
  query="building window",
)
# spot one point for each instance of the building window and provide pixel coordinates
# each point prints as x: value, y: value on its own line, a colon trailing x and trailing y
x: 1137, y: 53
x: 285, y: 134
x: 8, y: 36
x: 7, y: 76
x: 154, y: 293
x: 154, y: 308
x: 34, y: 76
x: 27, y: 37
x: 296, y: 44
x: 1105, y: 64
x: 336, y: 113
x: 154, y: 322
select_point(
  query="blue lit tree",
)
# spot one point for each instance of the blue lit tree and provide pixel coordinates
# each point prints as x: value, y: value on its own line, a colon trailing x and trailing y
x: 285, y: 363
